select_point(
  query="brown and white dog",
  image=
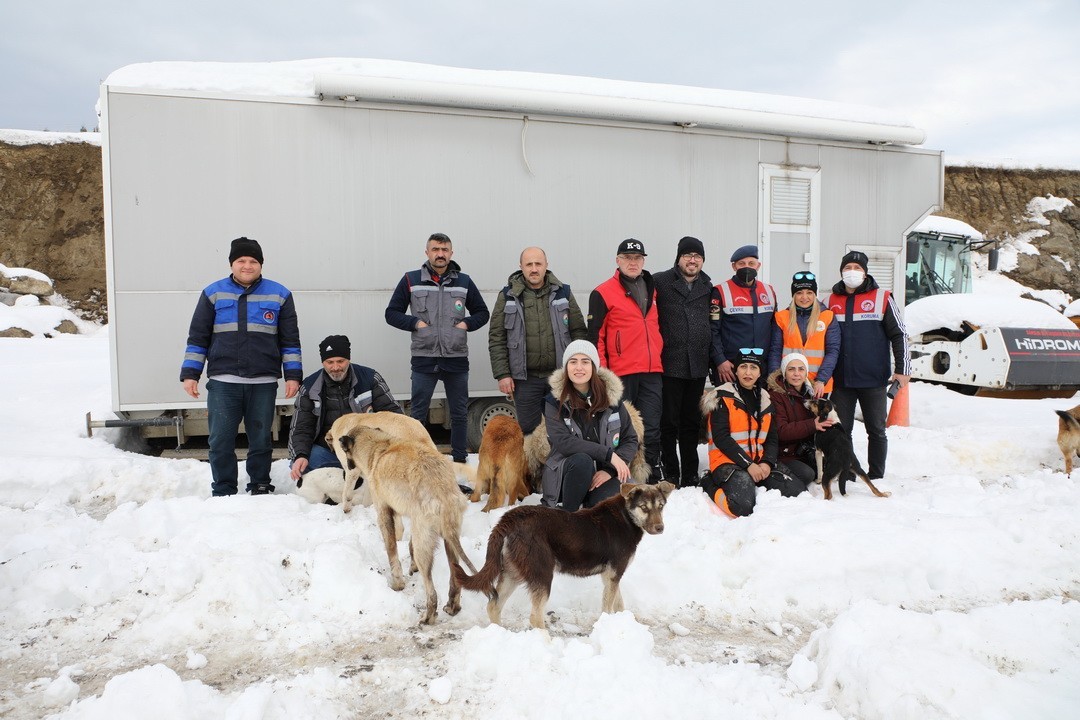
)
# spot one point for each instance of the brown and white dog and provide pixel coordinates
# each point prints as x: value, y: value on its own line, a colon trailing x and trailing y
x: 832, y: 448
x: 529, y: 544
x: 1069, y: 435
x: 412, y: 479
x: 537, y: 447
x: 501, y: 472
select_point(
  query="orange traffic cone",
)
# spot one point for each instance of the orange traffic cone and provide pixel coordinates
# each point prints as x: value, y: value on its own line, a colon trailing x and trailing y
x: 898, y: 412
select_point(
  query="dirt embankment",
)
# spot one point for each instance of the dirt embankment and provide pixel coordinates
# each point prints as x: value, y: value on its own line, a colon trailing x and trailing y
x: 995, y: 201
x: 51, y: 218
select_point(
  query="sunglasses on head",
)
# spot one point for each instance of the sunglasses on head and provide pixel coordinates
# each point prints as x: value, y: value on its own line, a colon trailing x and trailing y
x: 804, y: 276
x: 751, y: 351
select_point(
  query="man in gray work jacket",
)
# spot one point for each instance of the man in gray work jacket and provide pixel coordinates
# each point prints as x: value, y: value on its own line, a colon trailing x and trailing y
x: 534, y: 319
x: 445, y: 305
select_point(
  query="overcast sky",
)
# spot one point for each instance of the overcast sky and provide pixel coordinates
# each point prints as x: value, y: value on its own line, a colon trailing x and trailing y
x: 989, y: 80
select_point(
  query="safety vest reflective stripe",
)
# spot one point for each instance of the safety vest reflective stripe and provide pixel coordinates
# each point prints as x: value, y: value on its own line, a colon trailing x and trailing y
x: 745, y: 430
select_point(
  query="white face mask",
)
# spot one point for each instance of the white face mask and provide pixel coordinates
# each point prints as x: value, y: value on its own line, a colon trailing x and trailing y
x: 853, y: 278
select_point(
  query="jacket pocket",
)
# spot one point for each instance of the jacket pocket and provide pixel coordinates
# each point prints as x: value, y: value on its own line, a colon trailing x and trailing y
x: 425, y: 341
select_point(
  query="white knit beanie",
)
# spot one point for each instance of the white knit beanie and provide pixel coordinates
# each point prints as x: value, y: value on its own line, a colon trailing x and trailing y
x: 581, y: 347
x: 789, y: 358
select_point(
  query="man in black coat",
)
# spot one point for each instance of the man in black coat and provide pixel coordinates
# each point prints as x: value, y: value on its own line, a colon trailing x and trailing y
x: 682, y: 300
x: 339, y: 388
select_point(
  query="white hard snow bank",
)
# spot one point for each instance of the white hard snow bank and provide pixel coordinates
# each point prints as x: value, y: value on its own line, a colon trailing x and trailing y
x: 523, y: 91
x: 950, y: 311
x: 44, y: 137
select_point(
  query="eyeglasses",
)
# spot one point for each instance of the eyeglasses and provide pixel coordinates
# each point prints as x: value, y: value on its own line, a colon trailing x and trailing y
x: 632, y: 258
x: 751, y: 351
x: 804, y: 276
x: 693, y: 256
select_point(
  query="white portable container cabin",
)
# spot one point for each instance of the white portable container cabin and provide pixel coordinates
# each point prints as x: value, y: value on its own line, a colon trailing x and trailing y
x: 341, y: 169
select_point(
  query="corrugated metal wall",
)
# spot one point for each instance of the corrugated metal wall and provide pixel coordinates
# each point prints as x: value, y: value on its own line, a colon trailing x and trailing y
x: 342, y: 200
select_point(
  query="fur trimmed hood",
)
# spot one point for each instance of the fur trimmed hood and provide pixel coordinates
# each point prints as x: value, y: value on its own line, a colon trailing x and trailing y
x: 777, y: 384
x: 611, y: 382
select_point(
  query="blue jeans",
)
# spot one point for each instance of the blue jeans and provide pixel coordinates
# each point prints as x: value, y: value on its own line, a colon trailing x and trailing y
x: 320, y: 457
x: 456, y: 385
x: 228, y: 404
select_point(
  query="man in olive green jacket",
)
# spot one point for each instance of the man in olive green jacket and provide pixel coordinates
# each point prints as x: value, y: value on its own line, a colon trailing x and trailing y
x: 534, y: 319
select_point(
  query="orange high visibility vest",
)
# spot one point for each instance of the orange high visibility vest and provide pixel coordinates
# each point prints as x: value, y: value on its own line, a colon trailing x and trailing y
x: 747, y: 431
x: 813, y: 348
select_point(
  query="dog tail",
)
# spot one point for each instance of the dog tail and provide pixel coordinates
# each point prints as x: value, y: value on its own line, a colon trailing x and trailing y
x: 484, y: 581
x: 1072, y: 422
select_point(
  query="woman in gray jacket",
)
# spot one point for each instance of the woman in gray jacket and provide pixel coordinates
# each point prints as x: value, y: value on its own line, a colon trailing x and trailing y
x: 592, y: 439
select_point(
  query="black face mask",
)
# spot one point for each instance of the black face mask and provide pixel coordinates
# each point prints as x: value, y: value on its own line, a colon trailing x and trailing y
x: 746, y: 275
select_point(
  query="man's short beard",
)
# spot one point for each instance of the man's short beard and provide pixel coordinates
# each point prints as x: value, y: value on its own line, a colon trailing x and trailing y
x: 338, y: 376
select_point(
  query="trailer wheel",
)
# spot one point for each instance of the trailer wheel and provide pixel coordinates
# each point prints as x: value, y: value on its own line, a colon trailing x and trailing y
x: 481, y: 411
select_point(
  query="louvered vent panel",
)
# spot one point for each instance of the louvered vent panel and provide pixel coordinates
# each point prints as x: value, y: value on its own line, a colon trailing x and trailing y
x: 881, y: 267
x: 789, y: 201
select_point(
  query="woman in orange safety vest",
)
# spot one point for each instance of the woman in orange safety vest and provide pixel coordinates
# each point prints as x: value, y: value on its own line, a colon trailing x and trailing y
x: 743, y: 440
x: 807, y: 327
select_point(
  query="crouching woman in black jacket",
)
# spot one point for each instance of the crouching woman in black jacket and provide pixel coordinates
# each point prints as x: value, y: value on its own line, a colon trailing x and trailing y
x: 588, y: 427
x: 743, y: 441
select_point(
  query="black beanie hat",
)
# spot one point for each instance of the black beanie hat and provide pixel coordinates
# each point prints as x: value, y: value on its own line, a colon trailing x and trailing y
x: 803, y: 280
x: 690, y: 245
x: 755, y: 356
x: 856, y: 257
x: 335, y: 346
x: 245, y: 247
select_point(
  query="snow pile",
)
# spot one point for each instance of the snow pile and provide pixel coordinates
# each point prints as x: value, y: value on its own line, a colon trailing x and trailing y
x: 44, y: 137
x: 939, y: 224
x: 29, y: 306
x: 950, y: 311
x: 127, y: 592
x: 296, y: 79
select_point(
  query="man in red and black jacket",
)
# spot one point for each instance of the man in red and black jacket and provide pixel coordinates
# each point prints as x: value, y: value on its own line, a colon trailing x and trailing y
x: 624, y: 327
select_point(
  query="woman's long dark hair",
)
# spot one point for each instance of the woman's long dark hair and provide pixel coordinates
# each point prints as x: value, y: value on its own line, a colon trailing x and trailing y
x: 598, y: 396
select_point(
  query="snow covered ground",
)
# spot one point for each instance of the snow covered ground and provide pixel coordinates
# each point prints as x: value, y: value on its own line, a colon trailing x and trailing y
x: 127, y: 592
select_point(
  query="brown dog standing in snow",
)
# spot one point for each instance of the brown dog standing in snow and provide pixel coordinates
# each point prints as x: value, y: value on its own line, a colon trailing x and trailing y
x: 1069, y: 435
x: 501, y: 471
x: 530, y: 543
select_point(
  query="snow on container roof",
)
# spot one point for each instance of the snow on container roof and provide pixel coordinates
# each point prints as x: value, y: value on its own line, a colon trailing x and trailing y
x: 948, y: 226
x: 522, y: 92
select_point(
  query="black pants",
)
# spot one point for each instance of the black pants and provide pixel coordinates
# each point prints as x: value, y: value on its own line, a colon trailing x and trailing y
x: 739, y: 488
x: 529, y: 401
x: 805, y: 472
x: 872, y: 400
x: 644, y: 390
x: 680, y: 425
x: 577, y: 475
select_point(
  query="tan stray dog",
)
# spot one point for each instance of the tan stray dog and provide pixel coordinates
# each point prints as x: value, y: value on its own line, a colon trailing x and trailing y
x: 530, y: 543
x: 537, y: 449
x: 1069, y: 435
x: 501, y: 472
x: 411, y: 479
x: 396, y: 425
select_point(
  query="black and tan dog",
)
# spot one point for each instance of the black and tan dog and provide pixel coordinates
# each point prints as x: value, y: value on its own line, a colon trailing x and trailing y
x: 833, y: 451
x: 529, y: 544
x: 1069, y: 435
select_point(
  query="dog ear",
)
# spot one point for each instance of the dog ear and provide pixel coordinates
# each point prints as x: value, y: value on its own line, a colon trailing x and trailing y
x: 346, y: 442
x: 628, y: 489
x: 665, y: 488
x: 329, y: 438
